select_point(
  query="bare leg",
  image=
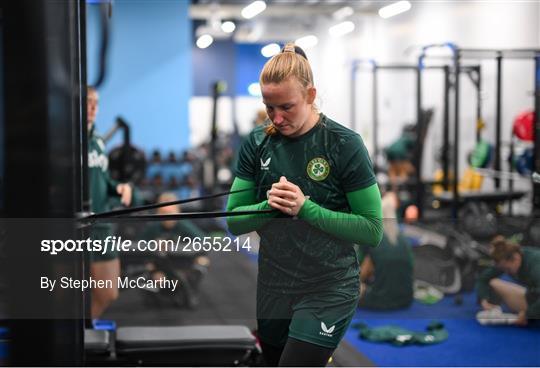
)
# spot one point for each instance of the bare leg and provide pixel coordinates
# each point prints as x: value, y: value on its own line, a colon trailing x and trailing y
x: 512, y: 295
x: 102, y: 298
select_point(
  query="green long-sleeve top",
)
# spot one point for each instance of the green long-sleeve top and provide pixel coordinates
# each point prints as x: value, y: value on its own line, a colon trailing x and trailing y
x: 362, y: 225
x: 317, y: 249
x: 528, y: 275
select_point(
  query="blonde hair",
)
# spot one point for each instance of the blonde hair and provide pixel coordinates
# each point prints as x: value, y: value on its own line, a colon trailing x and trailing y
x: 503, y: 249
x: 290, y: 63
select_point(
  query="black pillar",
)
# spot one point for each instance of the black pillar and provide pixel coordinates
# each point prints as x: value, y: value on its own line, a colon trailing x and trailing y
x: 43, y: 114
x: 455, y: 158
x: 498, y: 118
x: 536, y: 192
x: 375, y: 83
x: 446, y: 128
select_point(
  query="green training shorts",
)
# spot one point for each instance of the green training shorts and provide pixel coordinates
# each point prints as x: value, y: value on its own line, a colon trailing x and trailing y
x: 101, y: 232
x: 320, y: 318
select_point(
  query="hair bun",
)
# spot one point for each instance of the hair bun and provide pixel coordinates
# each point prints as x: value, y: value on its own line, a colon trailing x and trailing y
x: 289, y: 48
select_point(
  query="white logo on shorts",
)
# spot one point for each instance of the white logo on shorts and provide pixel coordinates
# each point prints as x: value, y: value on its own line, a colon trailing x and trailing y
x: 327, y: 331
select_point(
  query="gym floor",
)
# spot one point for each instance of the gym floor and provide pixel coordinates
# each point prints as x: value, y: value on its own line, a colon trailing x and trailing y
x: 226, y: 297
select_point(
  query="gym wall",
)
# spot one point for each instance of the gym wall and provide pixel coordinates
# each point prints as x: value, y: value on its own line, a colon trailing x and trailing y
x: 469, y: 25
x: 149, y: 77
x: 237, y: 64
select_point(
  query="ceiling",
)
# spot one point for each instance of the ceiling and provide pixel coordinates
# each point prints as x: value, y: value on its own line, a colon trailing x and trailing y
x: 275, y: 8
x: 282, y: 20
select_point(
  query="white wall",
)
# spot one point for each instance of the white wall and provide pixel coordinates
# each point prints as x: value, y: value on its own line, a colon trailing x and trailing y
x: 244, y: 109
x: 200, y: 118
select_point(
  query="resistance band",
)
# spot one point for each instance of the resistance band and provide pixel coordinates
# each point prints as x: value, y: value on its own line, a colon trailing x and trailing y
x: 110, y: 215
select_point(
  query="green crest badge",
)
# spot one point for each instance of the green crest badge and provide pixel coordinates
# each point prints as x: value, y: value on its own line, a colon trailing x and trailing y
x: 318, y: 169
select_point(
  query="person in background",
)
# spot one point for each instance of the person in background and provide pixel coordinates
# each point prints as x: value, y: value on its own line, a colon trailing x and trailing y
x: 522, y: 264
x: 172, y: 229
x: 102, y: 189
x: 399, y: 155
x: 188, y: 267
x: 386, y: 272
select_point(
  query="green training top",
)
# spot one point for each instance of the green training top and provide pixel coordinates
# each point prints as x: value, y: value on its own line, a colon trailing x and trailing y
x: 392, y: 286
x: 401, y: 149
x: 102, y: 187
x: 331, y: 165
x: 528, y: 275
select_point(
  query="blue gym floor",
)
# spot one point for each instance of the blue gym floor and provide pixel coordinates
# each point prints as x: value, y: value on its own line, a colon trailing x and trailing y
x: 468, y: 344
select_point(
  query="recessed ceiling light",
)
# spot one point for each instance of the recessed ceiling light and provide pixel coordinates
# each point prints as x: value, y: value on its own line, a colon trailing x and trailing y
x: 204, y: 41
x: 228, y: 27
x: 254, y: 89
x: 270, y: 50
x: 253, y: 9
x: 394, y: 9
x: 343, y: 13
x: 341, y: 29
x: 307, y: 42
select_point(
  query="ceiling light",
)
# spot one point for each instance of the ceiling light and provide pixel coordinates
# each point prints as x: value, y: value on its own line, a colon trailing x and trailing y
x: 253, y: 9
x: 204, y: 41
x: 228, y: 27
x: 341, y: 29
x: 394, y: 9
x: 254, y: 89
x: 343, y: 13
x: 307, y: 42
x: 270, y: 50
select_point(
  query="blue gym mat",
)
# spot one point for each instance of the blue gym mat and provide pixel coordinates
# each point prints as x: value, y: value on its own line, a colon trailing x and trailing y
x: 468, y: 344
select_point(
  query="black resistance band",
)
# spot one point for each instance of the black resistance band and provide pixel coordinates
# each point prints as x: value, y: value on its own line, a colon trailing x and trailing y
x: 109, y: 216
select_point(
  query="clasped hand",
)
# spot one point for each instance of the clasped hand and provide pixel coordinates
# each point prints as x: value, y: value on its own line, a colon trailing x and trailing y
x: 286, y: 197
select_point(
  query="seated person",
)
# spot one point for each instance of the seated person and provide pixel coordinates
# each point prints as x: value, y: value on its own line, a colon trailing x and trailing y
x: 172, y: 229
x: 166, y: 229
x: 522, y: 264
x: 386, y: 272
x: 400, y: 155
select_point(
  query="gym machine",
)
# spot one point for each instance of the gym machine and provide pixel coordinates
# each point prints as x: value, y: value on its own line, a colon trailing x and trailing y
x: 457, y: 56
x: 415, y: 186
